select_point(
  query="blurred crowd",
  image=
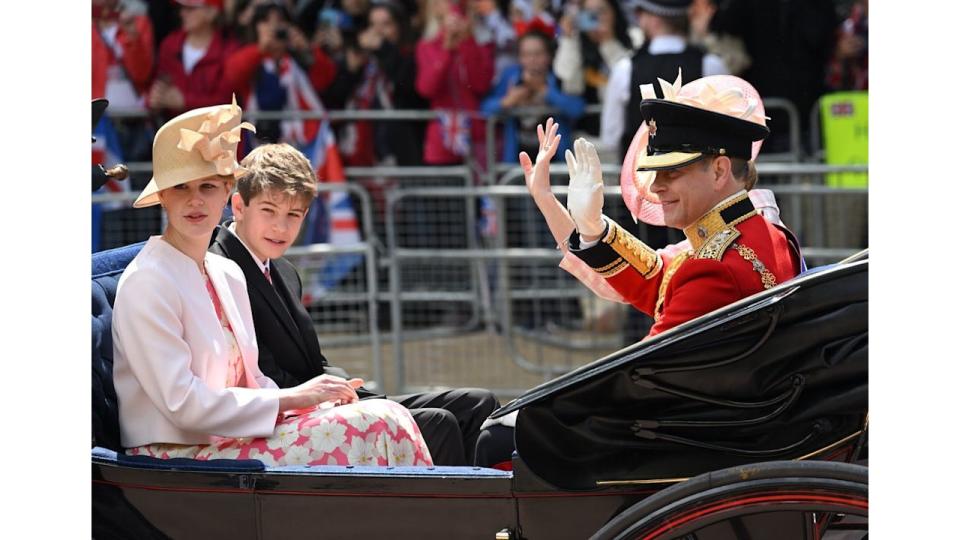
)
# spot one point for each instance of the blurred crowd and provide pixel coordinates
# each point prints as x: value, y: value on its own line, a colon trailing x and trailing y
x: 466, y: 59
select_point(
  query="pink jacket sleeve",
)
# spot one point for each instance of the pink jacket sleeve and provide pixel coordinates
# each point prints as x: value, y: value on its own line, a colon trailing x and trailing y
x: 147, y: 331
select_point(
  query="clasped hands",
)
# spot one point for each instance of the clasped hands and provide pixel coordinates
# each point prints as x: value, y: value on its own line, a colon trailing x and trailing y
x: 318, y: 390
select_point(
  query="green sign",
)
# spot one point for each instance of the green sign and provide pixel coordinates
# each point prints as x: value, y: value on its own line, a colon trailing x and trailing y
x: 844, y: 120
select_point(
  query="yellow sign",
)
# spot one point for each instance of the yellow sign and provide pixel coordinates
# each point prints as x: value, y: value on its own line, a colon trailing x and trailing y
x: 844, y: 121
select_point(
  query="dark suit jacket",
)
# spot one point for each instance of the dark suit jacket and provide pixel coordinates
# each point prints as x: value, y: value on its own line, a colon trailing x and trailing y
x: 289, y: 349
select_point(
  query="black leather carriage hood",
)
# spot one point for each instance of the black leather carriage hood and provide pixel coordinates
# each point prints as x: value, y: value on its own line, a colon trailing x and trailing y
x: 779, y: 375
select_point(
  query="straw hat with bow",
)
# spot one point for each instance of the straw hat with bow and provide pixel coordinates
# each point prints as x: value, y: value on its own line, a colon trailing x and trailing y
x: 197, y: 144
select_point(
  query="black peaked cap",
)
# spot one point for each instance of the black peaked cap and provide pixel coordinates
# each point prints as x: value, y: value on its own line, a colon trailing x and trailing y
x: 675, y: 127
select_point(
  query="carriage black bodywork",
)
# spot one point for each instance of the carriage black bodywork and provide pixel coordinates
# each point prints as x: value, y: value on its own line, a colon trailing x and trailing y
x: 734, y: 425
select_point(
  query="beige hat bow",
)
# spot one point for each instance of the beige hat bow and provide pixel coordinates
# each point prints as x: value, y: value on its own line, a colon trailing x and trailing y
x: 196, y: 144
x: 216, y: 146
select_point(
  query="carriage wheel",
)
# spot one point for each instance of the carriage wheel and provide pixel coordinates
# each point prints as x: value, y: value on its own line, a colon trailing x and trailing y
x: 800, y: 500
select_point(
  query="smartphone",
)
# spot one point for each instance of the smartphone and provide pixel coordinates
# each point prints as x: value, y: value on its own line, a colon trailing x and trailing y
x: 331, y: 17
x: 587, y: 21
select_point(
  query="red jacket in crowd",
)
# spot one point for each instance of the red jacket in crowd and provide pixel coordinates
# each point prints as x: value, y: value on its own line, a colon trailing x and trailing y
x: 455, y: 80
x: 207, y: 84
x: 242, y: 65
x: 137, y: 56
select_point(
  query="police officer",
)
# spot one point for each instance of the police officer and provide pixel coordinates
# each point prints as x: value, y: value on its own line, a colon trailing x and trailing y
x: 665, y: 25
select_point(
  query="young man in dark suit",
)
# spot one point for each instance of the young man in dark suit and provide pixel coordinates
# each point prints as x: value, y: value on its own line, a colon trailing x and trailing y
x: 269, y: 207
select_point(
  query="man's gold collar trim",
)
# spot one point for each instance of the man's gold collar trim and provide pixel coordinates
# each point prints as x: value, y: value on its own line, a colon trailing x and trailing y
x: 717, y: 219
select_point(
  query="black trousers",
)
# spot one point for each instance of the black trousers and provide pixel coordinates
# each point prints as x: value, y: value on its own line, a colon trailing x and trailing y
x: 495, y: 445
x: 450, y: 421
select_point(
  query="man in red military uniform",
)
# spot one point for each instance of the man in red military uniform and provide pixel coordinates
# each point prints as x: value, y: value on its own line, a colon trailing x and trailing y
x: 700, y: 170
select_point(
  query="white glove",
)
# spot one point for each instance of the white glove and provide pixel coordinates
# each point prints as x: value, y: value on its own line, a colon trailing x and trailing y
x: 585, y: 197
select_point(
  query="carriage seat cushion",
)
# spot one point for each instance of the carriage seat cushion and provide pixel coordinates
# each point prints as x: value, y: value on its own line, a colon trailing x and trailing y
x: 106, y: 270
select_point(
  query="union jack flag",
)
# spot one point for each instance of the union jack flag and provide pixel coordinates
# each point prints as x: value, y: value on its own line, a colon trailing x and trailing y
x: 455, y: 127
x: 332, y: 218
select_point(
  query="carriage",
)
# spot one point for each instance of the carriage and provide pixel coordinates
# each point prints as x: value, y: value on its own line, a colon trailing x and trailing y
x: 747, y: 422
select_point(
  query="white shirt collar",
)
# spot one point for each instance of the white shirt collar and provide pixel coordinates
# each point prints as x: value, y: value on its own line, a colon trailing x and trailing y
x: 264, y: 266
x: 667, y: 44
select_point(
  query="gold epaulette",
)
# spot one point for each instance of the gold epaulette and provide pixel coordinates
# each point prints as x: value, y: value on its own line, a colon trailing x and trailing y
x: 714, y: 247
x: 632, y: 252
x: 715, y: 231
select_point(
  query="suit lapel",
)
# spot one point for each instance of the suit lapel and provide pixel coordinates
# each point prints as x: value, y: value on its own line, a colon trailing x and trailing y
x: 257, y: 283
x: 284, y: 278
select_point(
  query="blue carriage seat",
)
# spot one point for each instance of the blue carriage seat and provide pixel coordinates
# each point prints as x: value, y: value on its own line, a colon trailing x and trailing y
x: 107, y: 267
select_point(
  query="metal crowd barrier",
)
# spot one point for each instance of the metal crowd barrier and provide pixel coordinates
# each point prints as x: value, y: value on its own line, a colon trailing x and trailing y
x: 816, y: 144
x: 795, y: 152
x: 483, y: 343
x: 501, y: 275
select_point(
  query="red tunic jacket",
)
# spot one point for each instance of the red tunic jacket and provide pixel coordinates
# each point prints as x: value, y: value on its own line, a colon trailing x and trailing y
x: 736, y: 253
x: 242, y: 65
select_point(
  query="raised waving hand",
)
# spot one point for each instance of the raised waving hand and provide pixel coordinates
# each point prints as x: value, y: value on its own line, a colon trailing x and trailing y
x: 537, y: 176
x: 585, y: 198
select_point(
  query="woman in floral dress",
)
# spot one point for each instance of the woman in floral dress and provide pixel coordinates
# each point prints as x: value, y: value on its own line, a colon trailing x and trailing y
x: 185, y: 353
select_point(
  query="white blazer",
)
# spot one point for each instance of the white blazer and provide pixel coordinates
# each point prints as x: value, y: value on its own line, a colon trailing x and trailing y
x: 170, y: 354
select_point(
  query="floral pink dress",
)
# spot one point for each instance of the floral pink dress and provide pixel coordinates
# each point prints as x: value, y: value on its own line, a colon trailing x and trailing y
x: 369, y: 432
